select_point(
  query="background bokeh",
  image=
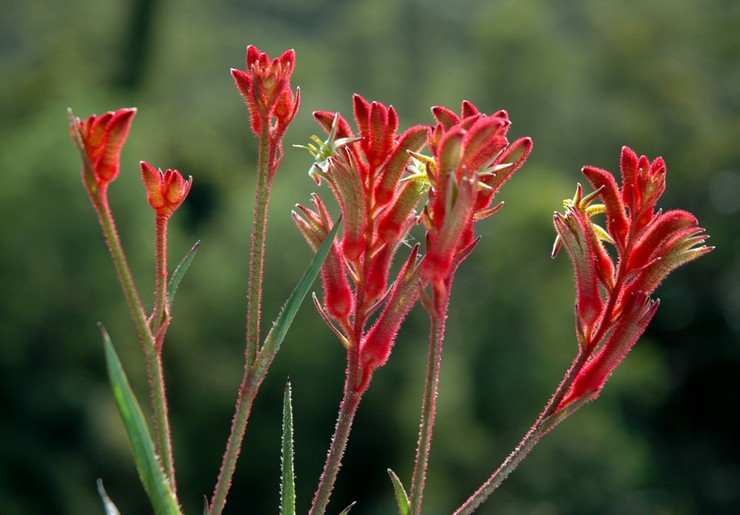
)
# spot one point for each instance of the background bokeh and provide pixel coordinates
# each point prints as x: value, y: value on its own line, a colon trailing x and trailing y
x: 582, y: 78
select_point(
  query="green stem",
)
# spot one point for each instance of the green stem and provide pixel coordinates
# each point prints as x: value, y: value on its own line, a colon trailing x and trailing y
x: 347, y: 412
x: 429, y: 404
x: 154, y: 369
x: 254, y: 371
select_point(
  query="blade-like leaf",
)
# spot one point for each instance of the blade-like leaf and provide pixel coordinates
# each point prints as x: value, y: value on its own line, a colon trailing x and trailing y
x: 287, y: 314
x: 110, y: 508
x: 346, y: 510
x: 287, y: 490
x: 147, y: 463
x: 179, y: 272
x: 401, y: 497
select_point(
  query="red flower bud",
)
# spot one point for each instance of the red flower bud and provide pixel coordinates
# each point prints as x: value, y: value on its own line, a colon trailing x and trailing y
x: 338, y: 295
x: 617, y: 223
x: 100, y: 140
x: 396, y: 221
x: 577, y: 236
x: 166, y: 190
x: 315, y: 226
x: 411, y: 140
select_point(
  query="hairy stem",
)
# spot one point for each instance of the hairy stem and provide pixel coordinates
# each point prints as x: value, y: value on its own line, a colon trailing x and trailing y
x: 552, y: 415
x: 155, y: 373
x: 253, y: 373
x: 429, y: 404
x: 549, y: 418
x: 247, y: 393
x: 347, y: 411
x: 160, y: 314
x: 257, y: 252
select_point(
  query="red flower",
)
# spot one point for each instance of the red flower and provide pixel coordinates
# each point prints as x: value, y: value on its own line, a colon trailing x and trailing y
x: 378, y: 211
x: 265, y: 85
x: 613, y: 305
x: 166, y: 190
x: 472, y: 160
x: 100, y: 139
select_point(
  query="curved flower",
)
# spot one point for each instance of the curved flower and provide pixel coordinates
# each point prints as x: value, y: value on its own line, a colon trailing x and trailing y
x: 100, y: 140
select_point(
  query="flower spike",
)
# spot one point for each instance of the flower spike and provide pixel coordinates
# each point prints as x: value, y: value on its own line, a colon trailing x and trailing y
x: 472, y: 160
x: 613, y: 305
x: 366, y: 175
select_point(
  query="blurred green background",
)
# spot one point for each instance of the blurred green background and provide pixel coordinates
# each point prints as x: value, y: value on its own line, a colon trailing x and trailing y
x: 582, y: 78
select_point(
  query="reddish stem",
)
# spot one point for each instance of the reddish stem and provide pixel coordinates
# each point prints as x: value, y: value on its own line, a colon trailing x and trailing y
x: 437, y: 319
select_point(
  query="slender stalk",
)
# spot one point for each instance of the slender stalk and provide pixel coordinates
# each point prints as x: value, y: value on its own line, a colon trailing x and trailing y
x: 253, y: 375
x: 549, y: 418
x: 247, y: 393
x: 257, y: 252
x: 507, y: 467
x: 154, y: 369
x: 428, y: 405
x: 347, y: 412
x: 160, y: 314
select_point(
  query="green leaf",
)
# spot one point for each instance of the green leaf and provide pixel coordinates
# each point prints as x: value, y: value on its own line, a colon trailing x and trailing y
x: 281, y: 325
x: 147, y: 463
x: 287, y: 490
x: 179, y: 272
x: 401, y: 497
x: 346, y: 510
x: 110, y: 508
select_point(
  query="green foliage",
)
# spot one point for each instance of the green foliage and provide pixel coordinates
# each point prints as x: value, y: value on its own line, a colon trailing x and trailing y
x: 152, y: 475
x: 179, y: 272
x: 287, y: 490
x: 401, y: 497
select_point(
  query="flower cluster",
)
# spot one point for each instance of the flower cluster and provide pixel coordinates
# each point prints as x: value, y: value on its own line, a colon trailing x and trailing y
x: 384, y: 186
x: 613, y: 305
x: 472, y: 160
x: 365, y: 174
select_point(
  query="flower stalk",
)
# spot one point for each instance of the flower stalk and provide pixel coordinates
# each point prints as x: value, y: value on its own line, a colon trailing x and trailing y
x: 347, y: 411
x: 100, y: 140
x: 265, y: 85
x: 428, y: 406
x: 378, y: 210
x: 250, y: 382
x: 613, y: 304
x: 472, y: 160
